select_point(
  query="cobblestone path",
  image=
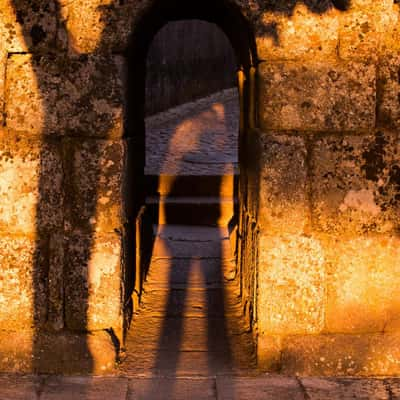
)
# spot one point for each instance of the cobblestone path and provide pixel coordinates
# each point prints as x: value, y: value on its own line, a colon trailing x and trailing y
x: 198, y: 138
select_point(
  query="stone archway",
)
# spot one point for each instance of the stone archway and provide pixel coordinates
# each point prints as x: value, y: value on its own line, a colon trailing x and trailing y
x: 229, y: 19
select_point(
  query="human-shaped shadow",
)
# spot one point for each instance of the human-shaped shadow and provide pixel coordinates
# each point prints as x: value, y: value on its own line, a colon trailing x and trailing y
x: 194, y: 323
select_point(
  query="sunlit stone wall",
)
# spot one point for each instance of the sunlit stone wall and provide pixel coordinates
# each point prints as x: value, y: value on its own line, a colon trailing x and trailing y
x: 329, y: 189
x: 323, y: 190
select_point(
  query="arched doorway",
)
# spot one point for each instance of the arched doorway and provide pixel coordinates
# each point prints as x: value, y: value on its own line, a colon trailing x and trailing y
x: 229, y: 19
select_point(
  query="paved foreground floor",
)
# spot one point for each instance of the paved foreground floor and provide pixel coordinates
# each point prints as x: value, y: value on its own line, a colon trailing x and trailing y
x: 218, y: 388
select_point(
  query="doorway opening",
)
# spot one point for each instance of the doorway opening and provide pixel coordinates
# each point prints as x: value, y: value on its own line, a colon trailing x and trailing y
x: 187, y: 137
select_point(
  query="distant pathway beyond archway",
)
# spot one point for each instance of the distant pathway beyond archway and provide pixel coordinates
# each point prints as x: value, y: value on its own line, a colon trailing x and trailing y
x: 190, y: 319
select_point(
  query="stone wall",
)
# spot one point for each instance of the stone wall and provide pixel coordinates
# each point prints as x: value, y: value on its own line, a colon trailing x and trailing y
x: 328, y: 190
x: 320, y: 182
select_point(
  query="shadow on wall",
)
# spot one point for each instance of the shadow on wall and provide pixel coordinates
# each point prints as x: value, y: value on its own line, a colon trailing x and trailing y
x: 287, y: 8
x: 79, y: 104
x: 78, y: 232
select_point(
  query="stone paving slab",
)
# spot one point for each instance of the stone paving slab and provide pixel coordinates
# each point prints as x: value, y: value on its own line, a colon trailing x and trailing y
x: 345, y: 389
x: 17, y: 387
x: 261, y: 387
x: 197, y: 138
x: 169, y: 388
x: 393, y: 385
x: 87, y: 388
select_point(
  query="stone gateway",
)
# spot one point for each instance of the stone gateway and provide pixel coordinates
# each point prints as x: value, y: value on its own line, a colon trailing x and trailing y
x: 317, y: 230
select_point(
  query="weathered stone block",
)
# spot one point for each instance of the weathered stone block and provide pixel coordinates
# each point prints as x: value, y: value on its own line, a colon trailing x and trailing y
x: 283, y: 199
x: 95, y: 176
x: 31, y: 186
x: 363, y: 280
x: 391, y: 41
x: 91, y: 387
x: 291, y: 285
x: 269, y: 352
x: 59, y: 95
x: 365, y: 28
x: 56, y: 353
x: 23, y: 288
x: 318, y: 388
x: 3, y: 67
x: 361, y: 34
x: 355, y: 183
x: 258, y: 388
x: 388, y: 89
x: 32, y: 94
x: 55, y: 282
x: 99, y: 25
x: 26, y: 27
x: 317, y: 96
x: 341, y: 355
x: 92, y: 96
x: 93, y: 281
x: 19, y: 387
x: 297, y: 34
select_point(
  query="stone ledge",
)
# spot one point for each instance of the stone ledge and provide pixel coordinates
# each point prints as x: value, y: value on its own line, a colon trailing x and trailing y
x: 333, y: 354
x: 56, y: 353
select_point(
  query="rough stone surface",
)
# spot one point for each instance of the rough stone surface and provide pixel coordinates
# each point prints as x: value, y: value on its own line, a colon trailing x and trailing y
x: 31, y: 93
x: 388, y: 87
x: 56, y: 353
x: 198, y: 138
x: 91, y: 96
x: 341, y: 355
x: 301, y: 34
x: 318, y: 389
x: 259, y: 388
x: 58, y: 95
x: 245, y: 388
x: 283, y: 199
x: 22, y: 283
x: 23, y: 28
x: 99, y: 25
x: 92, y: 278
x: 3, y: 68
x: 291, y: 288
x: 95, y: 171
x: 31, y: 190
x: 355, y: 183
x: 394, y: 388
x: 179, y: 389
x: 362, y: 284
x: 19, y: 387
x: 317, y: 96
x: 63, y: 388
x: 365, y: 28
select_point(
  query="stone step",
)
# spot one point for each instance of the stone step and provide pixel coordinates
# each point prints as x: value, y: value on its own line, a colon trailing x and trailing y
x: 191, y: 185
x: 188, y: 334
x: 192, y: 272
x: 175, y: 241
x: 190, y: 302
x: 209, y: 211
x: 191, y: 233
x: 187, y: 363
